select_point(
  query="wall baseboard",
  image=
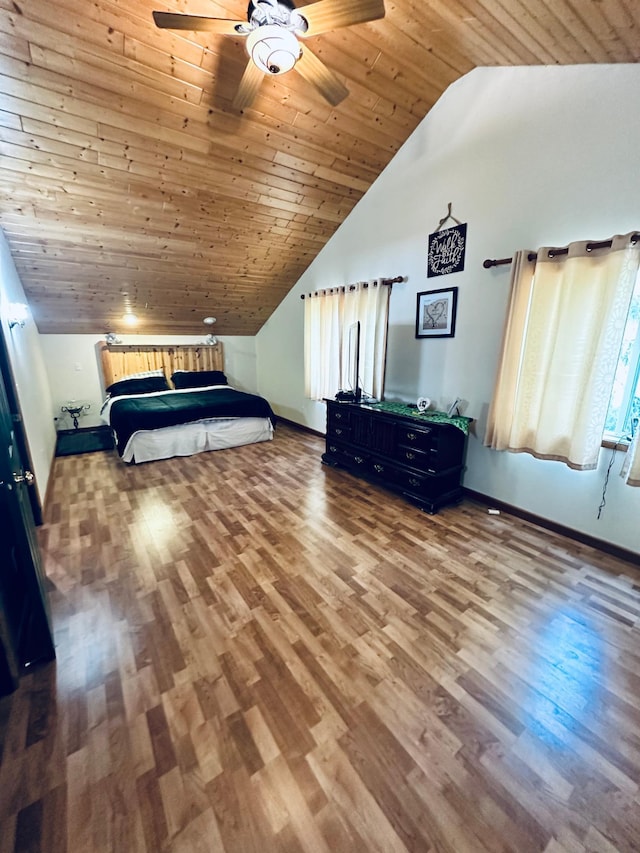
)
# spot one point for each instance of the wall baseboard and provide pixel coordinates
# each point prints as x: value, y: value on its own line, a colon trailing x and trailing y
x: 46, y: 498
x: 583, y: 538
x: 547, y: 524
x: 299, y: 426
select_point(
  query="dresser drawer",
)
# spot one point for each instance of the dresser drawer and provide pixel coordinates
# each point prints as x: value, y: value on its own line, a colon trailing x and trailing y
x: 418, y: 437
x: 382, y: 469
x: 422, y: 460
x: 344, y: 454
x: 424, y: 487
x: 435, y: 450
x: 430, y: 486
x: 340, y: 431
x: 432, y: 461
x: 338, y: 416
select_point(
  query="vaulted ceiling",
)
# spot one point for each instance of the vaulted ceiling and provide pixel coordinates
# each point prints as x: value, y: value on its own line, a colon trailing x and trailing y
x: 130, y: 182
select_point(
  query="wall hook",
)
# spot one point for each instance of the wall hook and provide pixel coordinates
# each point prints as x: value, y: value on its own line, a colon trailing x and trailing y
x: 447, y: 217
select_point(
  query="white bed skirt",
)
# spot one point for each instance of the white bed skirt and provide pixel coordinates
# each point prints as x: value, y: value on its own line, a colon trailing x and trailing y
x: 188, y: 439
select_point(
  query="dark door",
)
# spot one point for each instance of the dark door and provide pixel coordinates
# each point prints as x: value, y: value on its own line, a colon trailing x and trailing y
x: 25, y: 626
x: 18, y: 425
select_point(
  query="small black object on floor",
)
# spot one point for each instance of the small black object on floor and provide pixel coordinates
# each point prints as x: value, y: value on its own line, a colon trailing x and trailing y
x: 86, y: 440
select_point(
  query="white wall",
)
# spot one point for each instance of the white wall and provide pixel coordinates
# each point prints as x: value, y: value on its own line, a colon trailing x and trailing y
x: 27, y: 364
x: 73, y: 368
x: 527, y: 157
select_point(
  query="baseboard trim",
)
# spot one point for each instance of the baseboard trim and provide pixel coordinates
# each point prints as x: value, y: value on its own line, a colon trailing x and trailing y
x: 300, y: 426
x: 583, y: 538
x: 44, y: 502
x: 547, y: 524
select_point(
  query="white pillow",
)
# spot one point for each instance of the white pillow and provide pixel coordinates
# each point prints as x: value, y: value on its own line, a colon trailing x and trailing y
x: 141, y: 374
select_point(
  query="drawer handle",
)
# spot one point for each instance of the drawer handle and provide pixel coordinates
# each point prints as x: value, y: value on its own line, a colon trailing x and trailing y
x: 410, y: 455
x: 332, y: 448
x: 338, y: 432
x: 358, y: 459
x: 414, y: 482
x: 379, y: 468
x: 338, y: 415
x: 411, y: 436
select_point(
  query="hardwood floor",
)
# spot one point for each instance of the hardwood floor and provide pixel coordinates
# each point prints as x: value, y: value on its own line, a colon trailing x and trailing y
x: 259, y: 653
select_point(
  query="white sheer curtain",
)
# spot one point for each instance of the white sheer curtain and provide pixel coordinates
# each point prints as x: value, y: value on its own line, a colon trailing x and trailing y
x: 327, y: 316
x: 323, y: 313
x: 631, y: 466
x: 561, y: 345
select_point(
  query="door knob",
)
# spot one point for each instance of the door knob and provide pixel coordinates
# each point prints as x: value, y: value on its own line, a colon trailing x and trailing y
x: 27, y: 477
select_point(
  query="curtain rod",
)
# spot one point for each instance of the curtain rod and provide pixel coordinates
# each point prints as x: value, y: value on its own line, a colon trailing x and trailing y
x: 343, y: 288
x: 603, y: 244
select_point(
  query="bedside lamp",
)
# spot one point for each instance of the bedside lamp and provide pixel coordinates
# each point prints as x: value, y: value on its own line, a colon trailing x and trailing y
x: 75, y: 410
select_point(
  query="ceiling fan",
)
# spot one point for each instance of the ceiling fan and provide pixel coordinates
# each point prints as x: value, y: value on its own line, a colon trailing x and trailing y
x: 272, y: 30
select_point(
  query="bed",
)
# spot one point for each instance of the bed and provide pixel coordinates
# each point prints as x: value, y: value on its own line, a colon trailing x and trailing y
x: 193, y: 411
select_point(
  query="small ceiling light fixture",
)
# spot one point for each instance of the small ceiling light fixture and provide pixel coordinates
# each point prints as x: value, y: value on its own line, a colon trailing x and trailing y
x: 19, y: 315
x: 273, y: 49
x: 130, y: 319
x: 211, y: 339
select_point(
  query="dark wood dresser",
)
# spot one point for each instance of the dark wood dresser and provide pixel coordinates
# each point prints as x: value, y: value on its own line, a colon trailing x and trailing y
x: 420, y: 456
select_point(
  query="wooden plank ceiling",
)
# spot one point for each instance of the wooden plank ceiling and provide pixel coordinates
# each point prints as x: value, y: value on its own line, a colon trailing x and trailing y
x: 129, y: 181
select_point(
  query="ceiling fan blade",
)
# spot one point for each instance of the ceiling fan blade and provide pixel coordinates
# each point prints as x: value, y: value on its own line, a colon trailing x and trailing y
x: 249, y: 85
x: 331, y: 14
x: 174, y: 21
x: 316, y: 72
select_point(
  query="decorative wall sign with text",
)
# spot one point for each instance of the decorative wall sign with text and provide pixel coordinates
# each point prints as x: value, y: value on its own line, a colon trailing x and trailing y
x: 446, y: 250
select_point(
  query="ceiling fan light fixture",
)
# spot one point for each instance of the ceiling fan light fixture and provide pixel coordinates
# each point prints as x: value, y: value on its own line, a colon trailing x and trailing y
x: 273, y: 50
x: 298, y: 22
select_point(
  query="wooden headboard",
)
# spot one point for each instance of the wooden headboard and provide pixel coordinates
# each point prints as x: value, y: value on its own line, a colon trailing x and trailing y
x: 120, y: 360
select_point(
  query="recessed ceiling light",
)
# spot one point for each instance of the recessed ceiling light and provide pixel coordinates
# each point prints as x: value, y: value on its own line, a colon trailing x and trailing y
x: 130, y: 319
x: 209, y: 321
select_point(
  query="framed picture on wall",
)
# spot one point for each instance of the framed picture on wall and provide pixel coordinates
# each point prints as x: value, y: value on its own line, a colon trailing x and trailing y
x: 436, y: 313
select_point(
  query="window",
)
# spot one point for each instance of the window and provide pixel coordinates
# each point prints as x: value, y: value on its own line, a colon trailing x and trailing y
x: 565, y: 322
x: 327, y: 314
x: 623, y: 416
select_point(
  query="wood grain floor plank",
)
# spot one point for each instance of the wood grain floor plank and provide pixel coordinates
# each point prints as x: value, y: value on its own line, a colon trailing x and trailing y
x: 258, y: 653
x: 344, y: 787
